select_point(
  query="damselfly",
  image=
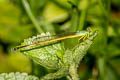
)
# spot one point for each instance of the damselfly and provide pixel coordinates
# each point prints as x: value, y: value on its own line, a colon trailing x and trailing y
x: 82, y: 34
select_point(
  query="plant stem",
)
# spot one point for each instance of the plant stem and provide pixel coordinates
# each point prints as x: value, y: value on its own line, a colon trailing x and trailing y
x: 101, y: 67
x: 31, y: 16
x: 106, y: 12
x: 82, y: 20
x: 74, y: 20
x: 73, y: 72
x: 102, y: 7
x: 109, y: 6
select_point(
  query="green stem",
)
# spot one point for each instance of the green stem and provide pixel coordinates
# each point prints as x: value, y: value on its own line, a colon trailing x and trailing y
x: 109, y: 5
x: 103, y: 9
x: 73, y: 72
x: 101, y: 67
x: 74, y: 20
x: 108, y: 10
x: 106, y: 13
x: 31, y: 16
x: 82, y: 20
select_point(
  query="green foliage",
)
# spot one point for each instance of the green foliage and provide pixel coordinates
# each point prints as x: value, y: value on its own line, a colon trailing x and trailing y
x: 54, y: 56
x: 44, y: 55
x: 100, y: 40
x: 53, y: 13
x: 11, y: 29
x: 20, y: 19
x: 20, y: 63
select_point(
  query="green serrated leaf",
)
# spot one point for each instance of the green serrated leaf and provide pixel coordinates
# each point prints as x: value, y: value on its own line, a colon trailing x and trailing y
x: 47, y: 56
x: 17, y: 76
x: 82, y: 48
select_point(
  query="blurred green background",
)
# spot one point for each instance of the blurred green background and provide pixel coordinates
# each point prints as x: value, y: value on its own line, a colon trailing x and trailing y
x: 21, y: 19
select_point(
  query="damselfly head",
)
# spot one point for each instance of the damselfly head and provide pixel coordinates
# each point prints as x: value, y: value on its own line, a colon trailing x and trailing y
x: 89, y: 30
